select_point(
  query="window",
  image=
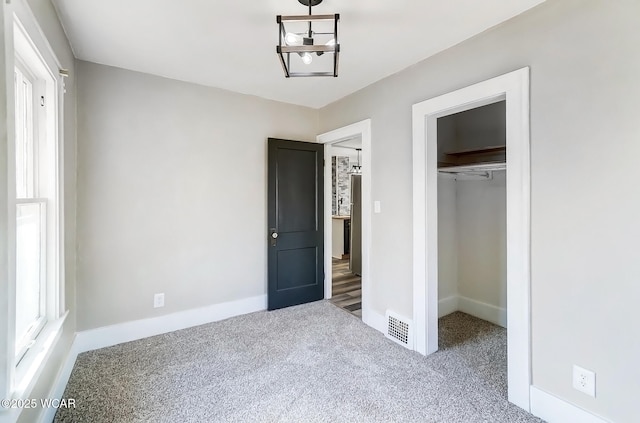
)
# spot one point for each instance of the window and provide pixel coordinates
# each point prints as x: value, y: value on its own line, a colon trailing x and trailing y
x: 37, y: 177
x: 31, y: 248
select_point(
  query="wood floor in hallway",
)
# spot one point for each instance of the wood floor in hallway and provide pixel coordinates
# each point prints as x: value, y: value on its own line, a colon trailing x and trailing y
x: 346, y: 288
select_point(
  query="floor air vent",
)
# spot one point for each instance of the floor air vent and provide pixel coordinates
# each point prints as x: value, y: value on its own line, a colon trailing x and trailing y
x: 399, y: 329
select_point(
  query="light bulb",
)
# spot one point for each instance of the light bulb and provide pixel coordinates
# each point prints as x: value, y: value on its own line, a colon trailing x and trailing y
x: 293, y: 39
x: 306, y: 58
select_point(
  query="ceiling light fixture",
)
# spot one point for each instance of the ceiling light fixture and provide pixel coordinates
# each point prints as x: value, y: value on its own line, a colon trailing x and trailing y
x: 308, y: 43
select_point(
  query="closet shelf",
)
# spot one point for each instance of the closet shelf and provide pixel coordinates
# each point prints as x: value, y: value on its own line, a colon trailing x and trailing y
x: 484, y: 150
x: 475, y: 161
x: 474, y: 168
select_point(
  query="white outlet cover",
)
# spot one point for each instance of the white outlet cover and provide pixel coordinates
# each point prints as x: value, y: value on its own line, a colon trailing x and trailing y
x: 158, y: 300
x: 584, y: 380
x: 376, y: 206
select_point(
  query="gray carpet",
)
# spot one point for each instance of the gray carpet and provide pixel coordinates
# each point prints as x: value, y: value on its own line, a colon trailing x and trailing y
x: 310, y: 363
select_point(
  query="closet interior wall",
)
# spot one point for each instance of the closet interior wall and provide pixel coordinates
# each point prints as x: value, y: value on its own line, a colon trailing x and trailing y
x: 472, y: 220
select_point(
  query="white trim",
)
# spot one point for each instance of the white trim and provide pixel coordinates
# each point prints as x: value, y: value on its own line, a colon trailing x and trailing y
x: 555, y: 410
x: 107, y: 336
x: 33, y: 367
x: 25, y: 38
x: 60, y: 383
x: 25, y: 15
x: 7, y: 331
x: 447, y: 306
x: 484, y: 311
x: 378, y: 322
x: 514, y: 88
x: 362, y: 129
x: 36, y: 55
x: 30, y: 368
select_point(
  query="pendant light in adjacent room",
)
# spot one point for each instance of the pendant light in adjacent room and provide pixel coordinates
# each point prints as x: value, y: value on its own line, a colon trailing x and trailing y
x: 357, y: 169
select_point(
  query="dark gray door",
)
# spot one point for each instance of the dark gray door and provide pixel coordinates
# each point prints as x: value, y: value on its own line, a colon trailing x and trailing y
x: 296, y: 224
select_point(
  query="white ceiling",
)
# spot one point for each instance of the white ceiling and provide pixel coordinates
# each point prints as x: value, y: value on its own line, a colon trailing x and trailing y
x: 230, y: 44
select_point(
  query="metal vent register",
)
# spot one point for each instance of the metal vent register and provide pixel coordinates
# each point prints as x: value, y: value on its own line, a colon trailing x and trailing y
x: 399, y: 329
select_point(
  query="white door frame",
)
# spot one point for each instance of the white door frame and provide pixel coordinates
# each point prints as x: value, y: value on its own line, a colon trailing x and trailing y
x: 363, y: 130
x: 514, y: 88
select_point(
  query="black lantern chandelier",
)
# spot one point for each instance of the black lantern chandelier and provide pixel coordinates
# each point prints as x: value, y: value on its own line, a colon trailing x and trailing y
x: 356, y: 169
x: 305, y: 50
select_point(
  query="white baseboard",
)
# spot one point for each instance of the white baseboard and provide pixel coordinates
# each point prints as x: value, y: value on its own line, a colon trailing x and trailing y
x: 107, y: 336
x: 130, y: 331
x: 484, y: 311
x: 447, y: 305
x: 377, y: 321
x: 555, y: 410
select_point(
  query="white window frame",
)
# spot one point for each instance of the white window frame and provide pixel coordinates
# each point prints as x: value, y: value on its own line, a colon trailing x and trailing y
x: 26, y: 74
x: 32, y: 195
x: 22, y: 345
x: 27, y: 46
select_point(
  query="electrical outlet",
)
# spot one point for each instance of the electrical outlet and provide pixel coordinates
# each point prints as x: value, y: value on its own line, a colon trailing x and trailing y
x: 584, y: 380
x: 158, y: 300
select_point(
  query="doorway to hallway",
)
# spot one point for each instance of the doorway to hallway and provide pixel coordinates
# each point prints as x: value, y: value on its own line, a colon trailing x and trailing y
x: 346, y: 287
x: 361, y: 132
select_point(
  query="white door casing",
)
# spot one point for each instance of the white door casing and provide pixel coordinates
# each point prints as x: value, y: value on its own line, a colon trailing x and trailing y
x: 360, y: 129
x: 512, y: 87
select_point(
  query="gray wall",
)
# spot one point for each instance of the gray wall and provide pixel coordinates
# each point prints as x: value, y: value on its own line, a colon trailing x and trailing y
x: 481, y: 221
x: 476, y: 128
x: 585, y: 62
x: 172, y: 192
x: 447, y: 238
x: 472, y: 235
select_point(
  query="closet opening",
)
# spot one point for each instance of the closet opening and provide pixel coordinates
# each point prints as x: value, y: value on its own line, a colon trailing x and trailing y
x: 472, y: 240
x: 513, y: 87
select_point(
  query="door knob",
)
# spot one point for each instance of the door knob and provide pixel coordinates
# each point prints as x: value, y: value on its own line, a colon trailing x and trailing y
x: 274, y: 236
